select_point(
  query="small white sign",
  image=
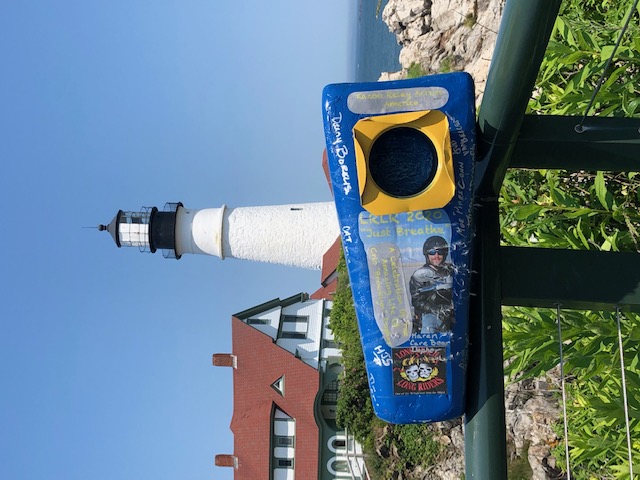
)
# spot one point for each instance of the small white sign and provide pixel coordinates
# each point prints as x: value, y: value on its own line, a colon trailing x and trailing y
x: 397, y: 100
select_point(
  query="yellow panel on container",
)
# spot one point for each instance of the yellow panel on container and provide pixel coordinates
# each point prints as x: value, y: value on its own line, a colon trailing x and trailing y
x: 433, y: 124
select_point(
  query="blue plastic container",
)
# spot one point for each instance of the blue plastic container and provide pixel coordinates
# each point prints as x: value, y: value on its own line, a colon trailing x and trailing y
x: 401, y: 157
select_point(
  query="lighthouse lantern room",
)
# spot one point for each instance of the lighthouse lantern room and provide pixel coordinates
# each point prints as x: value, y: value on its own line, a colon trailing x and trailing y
x: 148, y: 229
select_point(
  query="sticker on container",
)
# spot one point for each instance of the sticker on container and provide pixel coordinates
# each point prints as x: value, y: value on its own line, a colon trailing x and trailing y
x: 419, y: 370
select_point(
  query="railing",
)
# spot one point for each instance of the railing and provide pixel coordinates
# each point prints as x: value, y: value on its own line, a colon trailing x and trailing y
x: 508, y: 138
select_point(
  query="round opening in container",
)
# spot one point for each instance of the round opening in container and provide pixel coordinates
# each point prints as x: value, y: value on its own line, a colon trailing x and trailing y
x: 403, y: 162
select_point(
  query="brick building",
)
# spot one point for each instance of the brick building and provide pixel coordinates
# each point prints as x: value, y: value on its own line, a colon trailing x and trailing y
x: 285, y: 376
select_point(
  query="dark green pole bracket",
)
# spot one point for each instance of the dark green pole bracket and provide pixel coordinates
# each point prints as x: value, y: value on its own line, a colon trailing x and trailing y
x: 606, y: 143
x: 545, y: 277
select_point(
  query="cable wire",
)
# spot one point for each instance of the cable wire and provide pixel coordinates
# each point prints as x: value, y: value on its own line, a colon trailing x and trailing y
x: 580, y: 128
x: 564, y: 394
x: 624, y: 394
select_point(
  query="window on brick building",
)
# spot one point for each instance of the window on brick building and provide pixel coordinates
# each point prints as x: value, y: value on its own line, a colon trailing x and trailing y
x: 278, y: 385
x: 284, y: 441
x: 282, y: 445
x: 258, y: 321
x: 294, y: 326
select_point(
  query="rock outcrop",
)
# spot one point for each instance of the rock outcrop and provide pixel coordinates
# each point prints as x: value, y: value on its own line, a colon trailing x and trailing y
x: 444, y: 36
x: 531, y: 410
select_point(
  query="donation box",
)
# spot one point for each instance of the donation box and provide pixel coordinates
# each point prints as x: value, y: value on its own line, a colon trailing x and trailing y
x: 401, y: 157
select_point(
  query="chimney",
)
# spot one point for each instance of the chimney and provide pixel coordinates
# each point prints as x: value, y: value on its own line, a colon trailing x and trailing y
x: 224, y: 360
x: 225, y: 460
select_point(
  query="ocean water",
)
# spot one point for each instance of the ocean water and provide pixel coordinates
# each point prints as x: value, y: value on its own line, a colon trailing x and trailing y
x: 376, y: 49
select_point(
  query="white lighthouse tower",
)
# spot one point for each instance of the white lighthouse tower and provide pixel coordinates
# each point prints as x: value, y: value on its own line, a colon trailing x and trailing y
x: 295, y: 235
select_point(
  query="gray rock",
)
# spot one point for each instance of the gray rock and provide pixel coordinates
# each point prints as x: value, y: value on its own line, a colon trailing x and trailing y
x: 445, y: 35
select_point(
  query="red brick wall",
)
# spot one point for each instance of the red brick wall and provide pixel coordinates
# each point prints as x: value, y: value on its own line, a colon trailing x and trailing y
x: 225, y: 460
x: 223, y: 360
x: 260, y: 363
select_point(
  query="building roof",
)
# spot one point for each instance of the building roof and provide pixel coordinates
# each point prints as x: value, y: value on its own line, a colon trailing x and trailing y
x: 328, y: 277
x: 260, y: 363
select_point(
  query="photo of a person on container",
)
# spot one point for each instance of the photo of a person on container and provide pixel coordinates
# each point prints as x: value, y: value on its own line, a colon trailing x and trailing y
x: 430, y: 288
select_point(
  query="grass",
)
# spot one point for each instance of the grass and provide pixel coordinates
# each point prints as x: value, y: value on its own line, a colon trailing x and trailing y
x: 416, y: 70
x: 469, y: 20
x: 447, y: 65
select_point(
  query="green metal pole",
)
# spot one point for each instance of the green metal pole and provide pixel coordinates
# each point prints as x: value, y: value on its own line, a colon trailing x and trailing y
x: 524, y: 33
x: 522, y: 40
x: 485, y: 432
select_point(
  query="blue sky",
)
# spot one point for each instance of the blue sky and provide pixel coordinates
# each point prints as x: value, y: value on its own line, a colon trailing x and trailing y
x: 105, y: 354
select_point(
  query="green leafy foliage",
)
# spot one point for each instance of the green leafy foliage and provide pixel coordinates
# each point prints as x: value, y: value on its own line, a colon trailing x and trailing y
x: 414, y: 444
x: 416, y: 70
x: 582, y: 41
x: 579, y: 210
x: 354, y: 410
x: 586, y: 211
x: 595, y: 410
